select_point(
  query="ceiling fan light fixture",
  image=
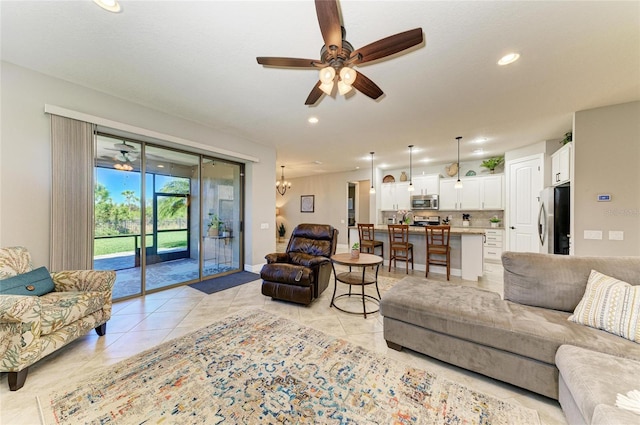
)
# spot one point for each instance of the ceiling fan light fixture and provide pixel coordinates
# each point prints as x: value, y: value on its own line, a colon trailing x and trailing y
x: 348, y: 75
x: 327, y: 88
x: 327, y: 75
x: 109, y: 5
x: 343, y: 88
x: 123, y: 167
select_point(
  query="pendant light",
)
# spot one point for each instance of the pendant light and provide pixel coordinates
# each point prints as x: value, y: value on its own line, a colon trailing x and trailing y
x: 411, y: 188
x: 282, y: 185
x: 373, y: 189
x: 458, y: 184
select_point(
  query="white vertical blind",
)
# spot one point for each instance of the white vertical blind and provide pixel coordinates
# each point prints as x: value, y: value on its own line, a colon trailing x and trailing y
x: 72, y: 156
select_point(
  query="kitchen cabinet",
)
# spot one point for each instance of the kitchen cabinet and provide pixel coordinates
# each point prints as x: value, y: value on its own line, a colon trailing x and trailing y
x: 561, y: 165
x: 477, y: 193
x: 492, y: 188
x: 493, y: 244
x: 426, y: 184
x: 395, y: 196
x: 467, y: 198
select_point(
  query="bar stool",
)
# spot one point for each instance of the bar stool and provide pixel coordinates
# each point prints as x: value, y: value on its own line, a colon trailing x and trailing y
x: 438, y: 247
x: 367, y: 239
x: 399, y: 246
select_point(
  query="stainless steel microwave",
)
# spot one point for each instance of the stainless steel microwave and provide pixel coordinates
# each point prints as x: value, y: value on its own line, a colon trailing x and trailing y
x: 424, y: 202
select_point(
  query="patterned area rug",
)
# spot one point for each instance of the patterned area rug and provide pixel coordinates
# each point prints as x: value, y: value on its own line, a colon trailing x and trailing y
x: 255, y: 368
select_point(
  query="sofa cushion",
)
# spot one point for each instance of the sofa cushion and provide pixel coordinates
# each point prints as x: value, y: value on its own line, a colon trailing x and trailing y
x: 35, y: 283
x: 611, y: 305
x: 559, y: 281
x: 59, y: 309
x: 588, y: 376
x: 482, y: 317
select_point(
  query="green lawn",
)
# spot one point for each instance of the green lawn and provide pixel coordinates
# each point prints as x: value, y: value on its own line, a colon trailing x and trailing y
x: 127, y: 243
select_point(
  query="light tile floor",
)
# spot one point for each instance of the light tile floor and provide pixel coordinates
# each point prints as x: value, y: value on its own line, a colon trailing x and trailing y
x: 141, y: 323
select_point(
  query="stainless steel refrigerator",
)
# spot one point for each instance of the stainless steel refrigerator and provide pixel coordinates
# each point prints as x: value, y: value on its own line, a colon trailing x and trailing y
x: 554, y: 220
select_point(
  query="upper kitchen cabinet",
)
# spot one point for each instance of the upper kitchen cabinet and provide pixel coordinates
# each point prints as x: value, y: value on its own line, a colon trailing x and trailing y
x: 561, y: 165
x: 427, y: 184
x: 477, y: 193
x: 467, y: 198
x: 395, y: 196
x: 491, y: 190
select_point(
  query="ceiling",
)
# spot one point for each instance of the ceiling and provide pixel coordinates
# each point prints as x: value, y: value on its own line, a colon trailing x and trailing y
x: 197, y: 60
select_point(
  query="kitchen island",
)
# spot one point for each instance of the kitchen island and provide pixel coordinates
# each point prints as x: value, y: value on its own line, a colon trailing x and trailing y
x: 466, y: 249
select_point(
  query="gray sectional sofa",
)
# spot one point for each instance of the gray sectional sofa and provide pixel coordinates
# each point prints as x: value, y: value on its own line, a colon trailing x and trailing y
x: 516, y: 339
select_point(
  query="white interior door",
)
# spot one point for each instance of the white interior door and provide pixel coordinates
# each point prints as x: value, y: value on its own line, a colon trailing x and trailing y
x: 524, y: 186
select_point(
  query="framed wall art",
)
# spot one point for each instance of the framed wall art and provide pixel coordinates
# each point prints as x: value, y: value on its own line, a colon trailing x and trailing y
x: 307, y: 203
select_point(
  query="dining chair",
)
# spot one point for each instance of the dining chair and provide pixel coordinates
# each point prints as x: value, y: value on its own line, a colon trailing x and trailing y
x: 399, y: 246
x: 438, y: 248
x: 367, y: 239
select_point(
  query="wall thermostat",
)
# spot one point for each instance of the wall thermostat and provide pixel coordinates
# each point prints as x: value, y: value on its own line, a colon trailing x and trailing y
x: 605, y: 197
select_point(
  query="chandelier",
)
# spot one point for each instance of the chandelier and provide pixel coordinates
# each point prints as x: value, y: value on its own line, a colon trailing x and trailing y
x: 282, y: 185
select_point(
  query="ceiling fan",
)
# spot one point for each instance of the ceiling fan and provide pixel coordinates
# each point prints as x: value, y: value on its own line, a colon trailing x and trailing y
x: 337, y: 56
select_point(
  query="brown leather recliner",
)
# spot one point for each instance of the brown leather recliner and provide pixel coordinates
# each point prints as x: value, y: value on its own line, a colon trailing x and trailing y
x: 301, y: 273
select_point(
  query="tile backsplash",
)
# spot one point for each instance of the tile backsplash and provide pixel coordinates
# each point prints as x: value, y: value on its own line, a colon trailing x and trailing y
x: 477, y: 218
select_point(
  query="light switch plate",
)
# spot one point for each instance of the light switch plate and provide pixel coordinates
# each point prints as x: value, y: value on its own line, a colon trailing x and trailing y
x: 264, y: 225
x: 593, y: 234
x: 616, y: 235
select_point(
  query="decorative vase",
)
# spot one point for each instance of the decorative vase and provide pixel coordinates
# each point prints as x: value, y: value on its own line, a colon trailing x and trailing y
x: 403, y: 177
x: 213, y: 231
x: 355, y: 253
x: 494, y: 224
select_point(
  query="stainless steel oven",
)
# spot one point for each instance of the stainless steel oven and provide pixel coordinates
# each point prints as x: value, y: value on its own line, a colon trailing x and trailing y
x: 424, y: 202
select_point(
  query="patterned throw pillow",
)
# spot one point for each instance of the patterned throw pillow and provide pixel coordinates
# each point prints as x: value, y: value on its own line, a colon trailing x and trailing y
x: 36, y: 282
x: 611, y: 305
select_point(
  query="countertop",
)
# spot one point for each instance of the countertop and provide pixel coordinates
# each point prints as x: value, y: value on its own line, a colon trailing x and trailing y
x: 419, y: 230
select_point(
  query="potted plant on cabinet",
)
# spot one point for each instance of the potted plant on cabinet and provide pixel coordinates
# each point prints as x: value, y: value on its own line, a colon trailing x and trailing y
x: 494, y: 221
x: 281, y: 231
x: 355, y: 250
x: 492, y: 163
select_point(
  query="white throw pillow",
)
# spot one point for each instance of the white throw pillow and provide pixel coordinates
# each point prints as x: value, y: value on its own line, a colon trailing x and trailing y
x: 611, y: 305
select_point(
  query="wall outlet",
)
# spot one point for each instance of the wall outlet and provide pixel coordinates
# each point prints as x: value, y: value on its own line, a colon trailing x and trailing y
x: 593, y: 234
x: 264, y: 225
x: 616, y: 235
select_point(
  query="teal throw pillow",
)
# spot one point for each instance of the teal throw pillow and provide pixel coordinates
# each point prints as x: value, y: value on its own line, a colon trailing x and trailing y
x: 36, y: 282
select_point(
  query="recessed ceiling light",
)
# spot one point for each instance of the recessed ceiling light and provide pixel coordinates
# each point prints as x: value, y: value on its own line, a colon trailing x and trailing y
x: 160, y: 166
x: 480, y: 140
x: 313, y: 120
x: 508, y: 58
x: 110, y: 5
x: 317, y: 162
x: 478, y: 151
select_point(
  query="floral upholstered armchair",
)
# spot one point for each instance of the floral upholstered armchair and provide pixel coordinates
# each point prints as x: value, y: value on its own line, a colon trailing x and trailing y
x: 33, y: 326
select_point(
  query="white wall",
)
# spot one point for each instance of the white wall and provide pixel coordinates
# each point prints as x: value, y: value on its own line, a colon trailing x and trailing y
x: 607, y: 157
x: 331, y: 194
x: 25, y: 158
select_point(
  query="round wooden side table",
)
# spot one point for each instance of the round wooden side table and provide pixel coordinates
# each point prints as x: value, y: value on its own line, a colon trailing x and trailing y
x: 356, y: 278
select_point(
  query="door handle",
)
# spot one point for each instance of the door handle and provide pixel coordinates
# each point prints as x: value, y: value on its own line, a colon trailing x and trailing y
x: 513, y: 228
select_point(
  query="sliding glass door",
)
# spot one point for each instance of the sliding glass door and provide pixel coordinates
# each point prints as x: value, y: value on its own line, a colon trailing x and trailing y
x: 153, y: 231
x: 222, y: 212
x: 118, y: 213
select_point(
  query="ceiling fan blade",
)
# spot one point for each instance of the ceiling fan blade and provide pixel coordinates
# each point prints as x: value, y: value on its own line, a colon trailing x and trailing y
x: 314, y: 95
x: 329, y: 20
x: 287, y: 62
x: 388, y: 46
x: 366, y: 86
